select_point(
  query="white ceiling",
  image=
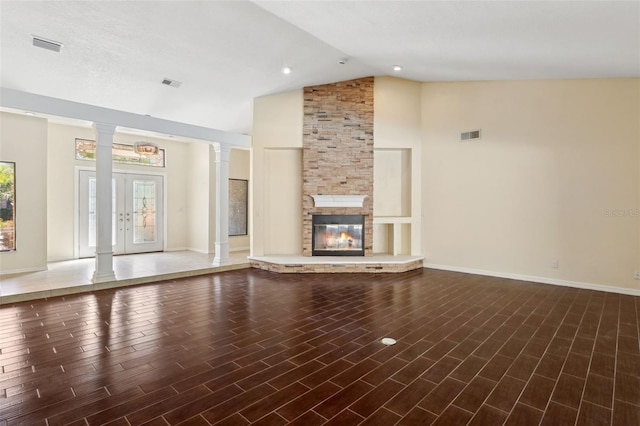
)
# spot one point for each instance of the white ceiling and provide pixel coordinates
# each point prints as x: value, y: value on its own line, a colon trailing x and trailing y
x: 116, y: 53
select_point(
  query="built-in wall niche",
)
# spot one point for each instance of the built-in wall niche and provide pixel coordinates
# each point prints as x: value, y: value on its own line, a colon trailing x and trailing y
x: 392, y: 182
x: 392, y: 236
x: 392, y: 203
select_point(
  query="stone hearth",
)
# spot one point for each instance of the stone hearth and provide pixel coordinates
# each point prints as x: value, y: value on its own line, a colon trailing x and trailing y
x: 330, y: 264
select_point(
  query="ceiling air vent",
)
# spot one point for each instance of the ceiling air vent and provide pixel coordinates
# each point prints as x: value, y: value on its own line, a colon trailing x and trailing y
x: 46, y: 44
x: 172, y: 83
x: 471, y: 135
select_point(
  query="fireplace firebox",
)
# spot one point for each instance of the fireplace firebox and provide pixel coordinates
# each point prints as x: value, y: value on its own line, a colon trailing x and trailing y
x: 337, y: 235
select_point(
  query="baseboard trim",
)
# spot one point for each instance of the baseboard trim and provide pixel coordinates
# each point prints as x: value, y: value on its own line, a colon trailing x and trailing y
x: 177, y: 249
x: 197, y: 250
x: 536, y: 279
x: 60, y: 259
x: 239, y: 249
x: 22, y: 271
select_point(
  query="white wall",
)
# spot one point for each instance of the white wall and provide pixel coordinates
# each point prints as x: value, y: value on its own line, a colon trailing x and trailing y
x: 555, y: 158
x: 23, y: 140
x: 62, y: 167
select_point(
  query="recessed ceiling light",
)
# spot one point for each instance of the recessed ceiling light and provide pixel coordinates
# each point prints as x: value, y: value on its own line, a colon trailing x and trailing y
x: 397, y: 68
x: 286, y: 70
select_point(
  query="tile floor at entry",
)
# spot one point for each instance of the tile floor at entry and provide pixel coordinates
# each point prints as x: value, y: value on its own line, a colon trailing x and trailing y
x: 74, y: 276
x: 252, y: 347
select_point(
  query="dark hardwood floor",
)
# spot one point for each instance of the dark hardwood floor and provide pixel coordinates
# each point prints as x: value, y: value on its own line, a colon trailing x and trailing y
x: 252, y: 347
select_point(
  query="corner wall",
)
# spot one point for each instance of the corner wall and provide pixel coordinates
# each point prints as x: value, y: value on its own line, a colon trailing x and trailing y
x: 555, y: 177
x: 23, y: 140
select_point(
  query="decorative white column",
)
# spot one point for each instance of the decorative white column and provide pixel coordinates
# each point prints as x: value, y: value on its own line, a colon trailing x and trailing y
x: 222, y: 205
x: 104, y: 250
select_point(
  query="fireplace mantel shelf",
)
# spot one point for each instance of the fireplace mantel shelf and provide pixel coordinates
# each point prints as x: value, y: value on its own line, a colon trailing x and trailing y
x: 339, y: 200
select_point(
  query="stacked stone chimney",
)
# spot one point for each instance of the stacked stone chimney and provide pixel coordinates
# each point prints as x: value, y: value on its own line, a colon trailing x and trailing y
x: 338, y: 151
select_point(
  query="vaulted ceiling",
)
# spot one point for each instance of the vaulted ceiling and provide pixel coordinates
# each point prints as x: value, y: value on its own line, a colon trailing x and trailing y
x: 116, y: 53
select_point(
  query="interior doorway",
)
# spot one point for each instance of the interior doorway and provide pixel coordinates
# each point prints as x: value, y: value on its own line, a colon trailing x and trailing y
x: 137, y: 215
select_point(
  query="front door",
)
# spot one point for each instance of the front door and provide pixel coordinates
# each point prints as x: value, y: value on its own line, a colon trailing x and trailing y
x: 137, y: 215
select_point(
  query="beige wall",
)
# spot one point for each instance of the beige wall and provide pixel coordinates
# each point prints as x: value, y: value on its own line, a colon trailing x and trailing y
x: 276, y: 181
x: 23, y: 140
x: 555, y: 177
x: 277, y: 169
x: 555, y: 159
x: 199, y: 196
x: 240, y: 168
x: 189, y: 185
x: 397, y: 168
x: 62, y: 169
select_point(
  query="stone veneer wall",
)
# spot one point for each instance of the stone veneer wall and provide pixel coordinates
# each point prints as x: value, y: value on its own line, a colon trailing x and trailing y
x: 338, y: 151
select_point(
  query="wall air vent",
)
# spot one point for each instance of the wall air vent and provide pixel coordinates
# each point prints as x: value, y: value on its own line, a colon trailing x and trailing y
x: 47, y: 44
x: 172, y: 83
x: 471, y: 135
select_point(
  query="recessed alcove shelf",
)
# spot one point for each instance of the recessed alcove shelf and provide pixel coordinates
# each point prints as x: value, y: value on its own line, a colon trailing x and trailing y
x: 338, y: 200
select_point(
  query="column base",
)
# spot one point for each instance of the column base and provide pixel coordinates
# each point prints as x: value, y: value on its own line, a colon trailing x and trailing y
x: 221, y: 256
x: 104, y: 268
x: 103, y: 278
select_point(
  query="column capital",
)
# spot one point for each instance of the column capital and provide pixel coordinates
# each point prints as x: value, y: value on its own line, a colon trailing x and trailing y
x: 223, y: 152
x: 104, y: 128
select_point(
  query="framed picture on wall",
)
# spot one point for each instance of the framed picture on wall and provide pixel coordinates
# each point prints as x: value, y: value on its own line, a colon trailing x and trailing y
x: 7, y: 206
x: 238, y: 206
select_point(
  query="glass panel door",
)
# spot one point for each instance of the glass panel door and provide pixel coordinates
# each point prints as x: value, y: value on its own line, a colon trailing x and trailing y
x: 144, y: 207
x: 137, y: 219
x: 144, y: 213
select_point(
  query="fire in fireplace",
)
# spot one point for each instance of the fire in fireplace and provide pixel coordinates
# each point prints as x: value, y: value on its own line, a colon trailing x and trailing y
x: 338, y: 235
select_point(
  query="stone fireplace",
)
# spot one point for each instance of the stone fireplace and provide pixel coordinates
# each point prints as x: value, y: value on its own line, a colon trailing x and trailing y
x: 337, y: 187
x: 338, y: 160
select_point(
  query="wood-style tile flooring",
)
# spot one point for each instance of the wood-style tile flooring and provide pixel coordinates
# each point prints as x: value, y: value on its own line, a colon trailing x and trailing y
x: 253, y: 347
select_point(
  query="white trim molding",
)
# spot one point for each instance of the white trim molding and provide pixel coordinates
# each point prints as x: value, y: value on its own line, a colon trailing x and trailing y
x: 247, y: 248
x: 338, y: 200
x: 25, y: 270
x: 535, y: 279
x: 24, y: 101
